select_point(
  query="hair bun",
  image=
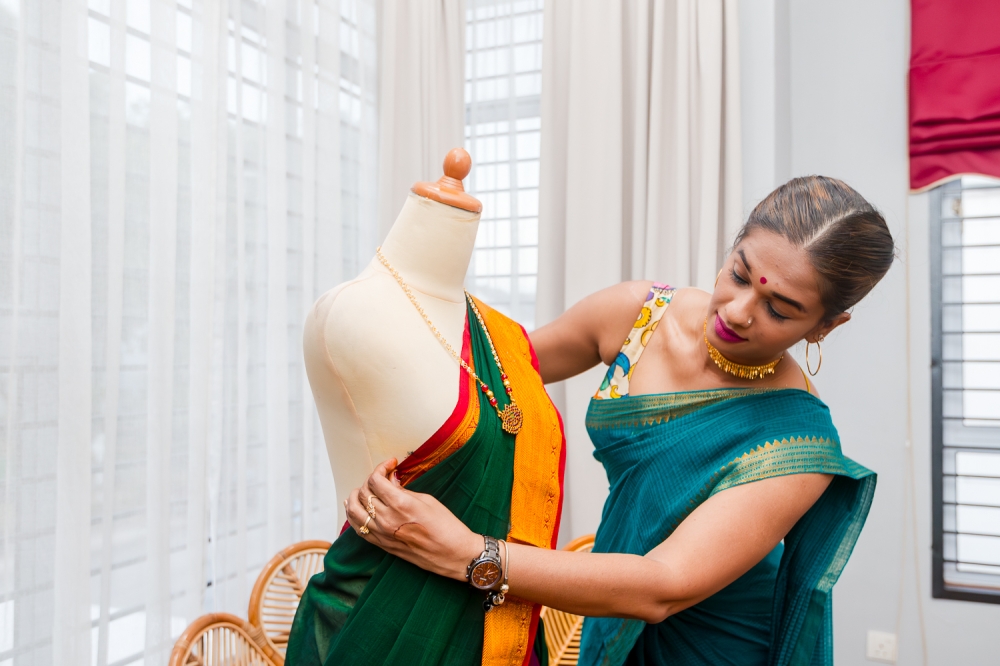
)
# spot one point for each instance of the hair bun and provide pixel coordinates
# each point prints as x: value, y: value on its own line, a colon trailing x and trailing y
x: 847, y: 239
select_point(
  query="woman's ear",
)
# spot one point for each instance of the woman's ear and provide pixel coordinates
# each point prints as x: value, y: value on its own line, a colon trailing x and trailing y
x: 826, y: 326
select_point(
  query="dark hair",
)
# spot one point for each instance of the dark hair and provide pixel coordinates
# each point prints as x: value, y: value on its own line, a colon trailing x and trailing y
x: 847, y: 239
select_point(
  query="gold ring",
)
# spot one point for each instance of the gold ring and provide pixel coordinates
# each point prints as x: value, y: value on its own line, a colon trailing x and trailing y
x: 371, y: 506
x: 364, y: 528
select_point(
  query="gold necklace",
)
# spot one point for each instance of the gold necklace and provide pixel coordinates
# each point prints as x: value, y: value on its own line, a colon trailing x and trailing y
x: 735, y: 369
x: 510, y: 416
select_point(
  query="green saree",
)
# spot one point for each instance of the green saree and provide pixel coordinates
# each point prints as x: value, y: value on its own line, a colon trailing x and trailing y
x: 368, y: 607
x: 668, y: 453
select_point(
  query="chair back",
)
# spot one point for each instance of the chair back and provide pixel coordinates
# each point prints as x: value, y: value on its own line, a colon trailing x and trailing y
x: 563, y: 630
x: 278, y: 589
x: 220, y: 639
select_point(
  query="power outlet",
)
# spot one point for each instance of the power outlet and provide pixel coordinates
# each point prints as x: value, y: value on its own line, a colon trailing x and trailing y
x: 882, y: 647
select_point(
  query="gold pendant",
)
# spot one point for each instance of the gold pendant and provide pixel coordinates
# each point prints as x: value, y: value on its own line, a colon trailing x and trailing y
x: 511, y: 419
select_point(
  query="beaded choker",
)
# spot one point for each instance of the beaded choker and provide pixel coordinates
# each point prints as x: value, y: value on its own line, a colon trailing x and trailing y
x: 735, y: 369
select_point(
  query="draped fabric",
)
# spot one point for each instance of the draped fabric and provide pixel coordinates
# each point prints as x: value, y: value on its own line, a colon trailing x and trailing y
x: 171, y: 203
x: 640, y: 167
x: 422, y: 78
x: 954, y: 90
x: 368, y: 607
x: 668, y: 453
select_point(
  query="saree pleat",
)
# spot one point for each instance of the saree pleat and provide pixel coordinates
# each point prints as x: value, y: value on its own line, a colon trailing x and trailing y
x: 368, y: 607
x: 668, y: 453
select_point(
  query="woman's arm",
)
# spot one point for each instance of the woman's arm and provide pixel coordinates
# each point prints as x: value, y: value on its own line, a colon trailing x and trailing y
x: 720, y: 541
x: 588, y: 332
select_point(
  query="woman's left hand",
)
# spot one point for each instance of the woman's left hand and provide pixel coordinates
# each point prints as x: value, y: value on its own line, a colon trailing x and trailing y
x: 413, y: 526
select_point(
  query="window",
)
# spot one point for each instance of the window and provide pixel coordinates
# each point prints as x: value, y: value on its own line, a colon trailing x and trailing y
x: 502, y: 134
x: 965, y: 281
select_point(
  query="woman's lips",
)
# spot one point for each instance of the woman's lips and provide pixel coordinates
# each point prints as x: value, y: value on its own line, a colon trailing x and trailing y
x: 726, y: 333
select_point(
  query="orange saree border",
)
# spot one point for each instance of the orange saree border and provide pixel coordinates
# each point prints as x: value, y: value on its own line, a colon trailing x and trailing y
x: 454, y: 432
x: 537, y: 494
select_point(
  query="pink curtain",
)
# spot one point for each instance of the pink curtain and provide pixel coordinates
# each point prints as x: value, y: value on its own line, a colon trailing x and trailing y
x: 954, y: 90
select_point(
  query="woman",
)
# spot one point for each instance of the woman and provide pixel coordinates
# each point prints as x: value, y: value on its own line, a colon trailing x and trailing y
x: 732, y: 510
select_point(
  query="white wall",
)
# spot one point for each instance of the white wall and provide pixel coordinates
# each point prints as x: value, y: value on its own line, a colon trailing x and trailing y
x: 824, y: 87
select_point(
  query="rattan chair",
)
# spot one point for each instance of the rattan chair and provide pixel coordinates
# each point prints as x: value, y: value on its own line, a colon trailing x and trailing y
x: 279, y: 588
x: 221, y: 639
x: 562, y: 630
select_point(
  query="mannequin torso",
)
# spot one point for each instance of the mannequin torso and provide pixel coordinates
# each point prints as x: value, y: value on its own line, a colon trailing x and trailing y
x: 383, y: 383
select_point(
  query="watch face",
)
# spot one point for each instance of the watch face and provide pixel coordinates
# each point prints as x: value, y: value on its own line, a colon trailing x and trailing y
x: 485, y: 574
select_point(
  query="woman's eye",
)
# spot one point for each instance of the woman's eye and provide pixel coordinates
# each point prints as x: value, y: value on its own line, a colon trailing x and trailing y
x: 736, y: 278
x: 774, y: 313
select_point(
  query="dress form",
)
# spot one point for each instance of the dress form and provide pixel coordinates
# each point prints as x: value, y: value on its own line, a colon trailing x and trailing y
x: 382, y: 381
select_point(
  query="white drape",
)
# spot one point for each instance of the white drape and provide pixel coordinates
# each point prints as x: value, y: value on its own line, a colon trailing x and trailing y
x: 640, y: 168
x: 171, y: 203
x: 421, y: 85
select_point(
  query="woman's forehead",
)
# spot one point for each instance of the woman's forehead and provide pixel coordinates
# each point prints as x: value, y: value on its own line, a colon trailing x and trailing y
x: 782, y: 265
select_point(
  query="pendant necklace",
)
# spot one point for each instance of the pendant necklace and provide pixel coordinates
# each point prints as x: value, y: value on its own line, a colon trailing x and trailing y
x: 510, y: 416
x: 735, y: 369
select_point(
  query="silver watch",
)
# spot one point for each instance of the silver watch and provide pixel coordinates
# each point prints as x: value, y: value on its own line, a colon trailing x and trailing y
x: 485, y: 572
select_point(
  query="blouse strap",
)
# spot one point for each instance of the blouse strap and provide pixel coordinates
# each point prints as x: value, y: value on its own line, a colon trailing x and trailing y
x: 615, y: 384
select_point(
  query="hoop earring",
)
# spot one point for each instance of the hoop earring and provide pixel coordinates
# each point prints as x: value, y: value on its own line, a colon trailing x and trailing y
x: 820, y: 364
x: 717, y: 277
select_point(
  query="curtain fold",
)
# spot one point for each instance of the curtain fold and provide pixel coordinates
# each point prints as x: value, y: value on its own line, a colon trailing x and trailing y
x: 954, y: 91
x: 640, y: 167
x: 172, y: 200
x: 422, y: 89
x: 73, y: 353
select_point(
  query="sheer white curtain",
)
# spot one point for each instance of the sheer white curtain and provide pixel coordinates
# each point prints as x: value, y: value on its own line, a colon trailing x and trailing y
x: 640, y: 168
x: 179, y: 180
x: 421, y: 79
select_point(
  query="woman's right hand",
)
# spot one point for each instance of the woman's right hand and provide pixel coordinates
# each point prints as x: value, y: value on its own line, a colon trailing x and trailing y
x: 413, y: 526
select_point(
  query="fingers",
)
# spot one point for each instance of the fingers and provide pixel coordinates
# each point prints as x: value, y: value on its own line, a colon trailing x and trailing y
x: 356, y: 513
x: 379, y: 484
x: 359, y: 516
x: 385, y: 467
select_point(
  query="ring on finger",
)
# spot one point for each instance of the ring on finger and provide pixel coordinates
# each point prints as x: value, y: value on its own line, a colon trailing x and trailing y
x: 364, y: 528
x: 371, y: 505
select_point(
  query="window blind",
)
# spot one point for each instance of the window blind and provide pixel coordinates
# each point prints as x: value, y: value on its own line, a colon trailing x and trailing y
x: 965, y: 223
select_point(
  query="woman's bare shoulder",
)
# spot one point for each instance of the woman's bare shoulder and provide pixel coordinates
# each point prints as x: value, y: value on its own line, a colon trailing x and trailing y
x: 690, y: 297
x: 688, y: 307
x: 613, y: 312
x: 796, y: 377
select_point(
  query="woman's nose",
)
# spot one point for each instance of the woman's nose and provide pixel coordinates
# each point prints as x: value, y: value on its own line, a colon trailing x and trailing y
x: 740, y: 310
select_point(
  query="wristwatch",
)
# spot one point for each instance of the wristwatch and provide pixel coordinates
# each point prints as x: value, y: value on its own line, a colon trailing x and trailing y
x: 484, y: 572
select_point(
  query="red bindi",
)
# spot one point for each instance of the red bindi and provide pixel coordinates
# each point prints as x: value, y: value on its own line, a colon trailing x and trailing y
x: 763, y: 280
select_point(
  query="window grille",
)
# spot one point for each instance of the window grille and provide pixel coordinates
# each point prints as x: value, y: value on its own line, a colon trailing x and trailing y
x: 965, y: 283
x: 502, y: 134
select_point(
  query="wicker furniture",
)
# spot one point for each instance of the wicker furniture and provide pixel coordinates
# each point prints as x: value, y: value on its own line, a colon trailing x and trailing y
x: 221, y: 639
x: 562, y: 630
x: 279, y: 588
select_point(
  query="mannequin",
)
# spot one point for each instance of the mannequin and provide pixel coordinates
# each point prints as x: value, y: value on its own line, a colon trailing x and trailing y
x: 383, y: 383
x: 385, y: 386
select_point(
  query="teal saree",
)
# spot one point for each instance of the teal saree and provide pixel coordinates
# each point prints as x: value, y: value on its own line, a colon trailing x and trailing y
x: 668, y: 453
